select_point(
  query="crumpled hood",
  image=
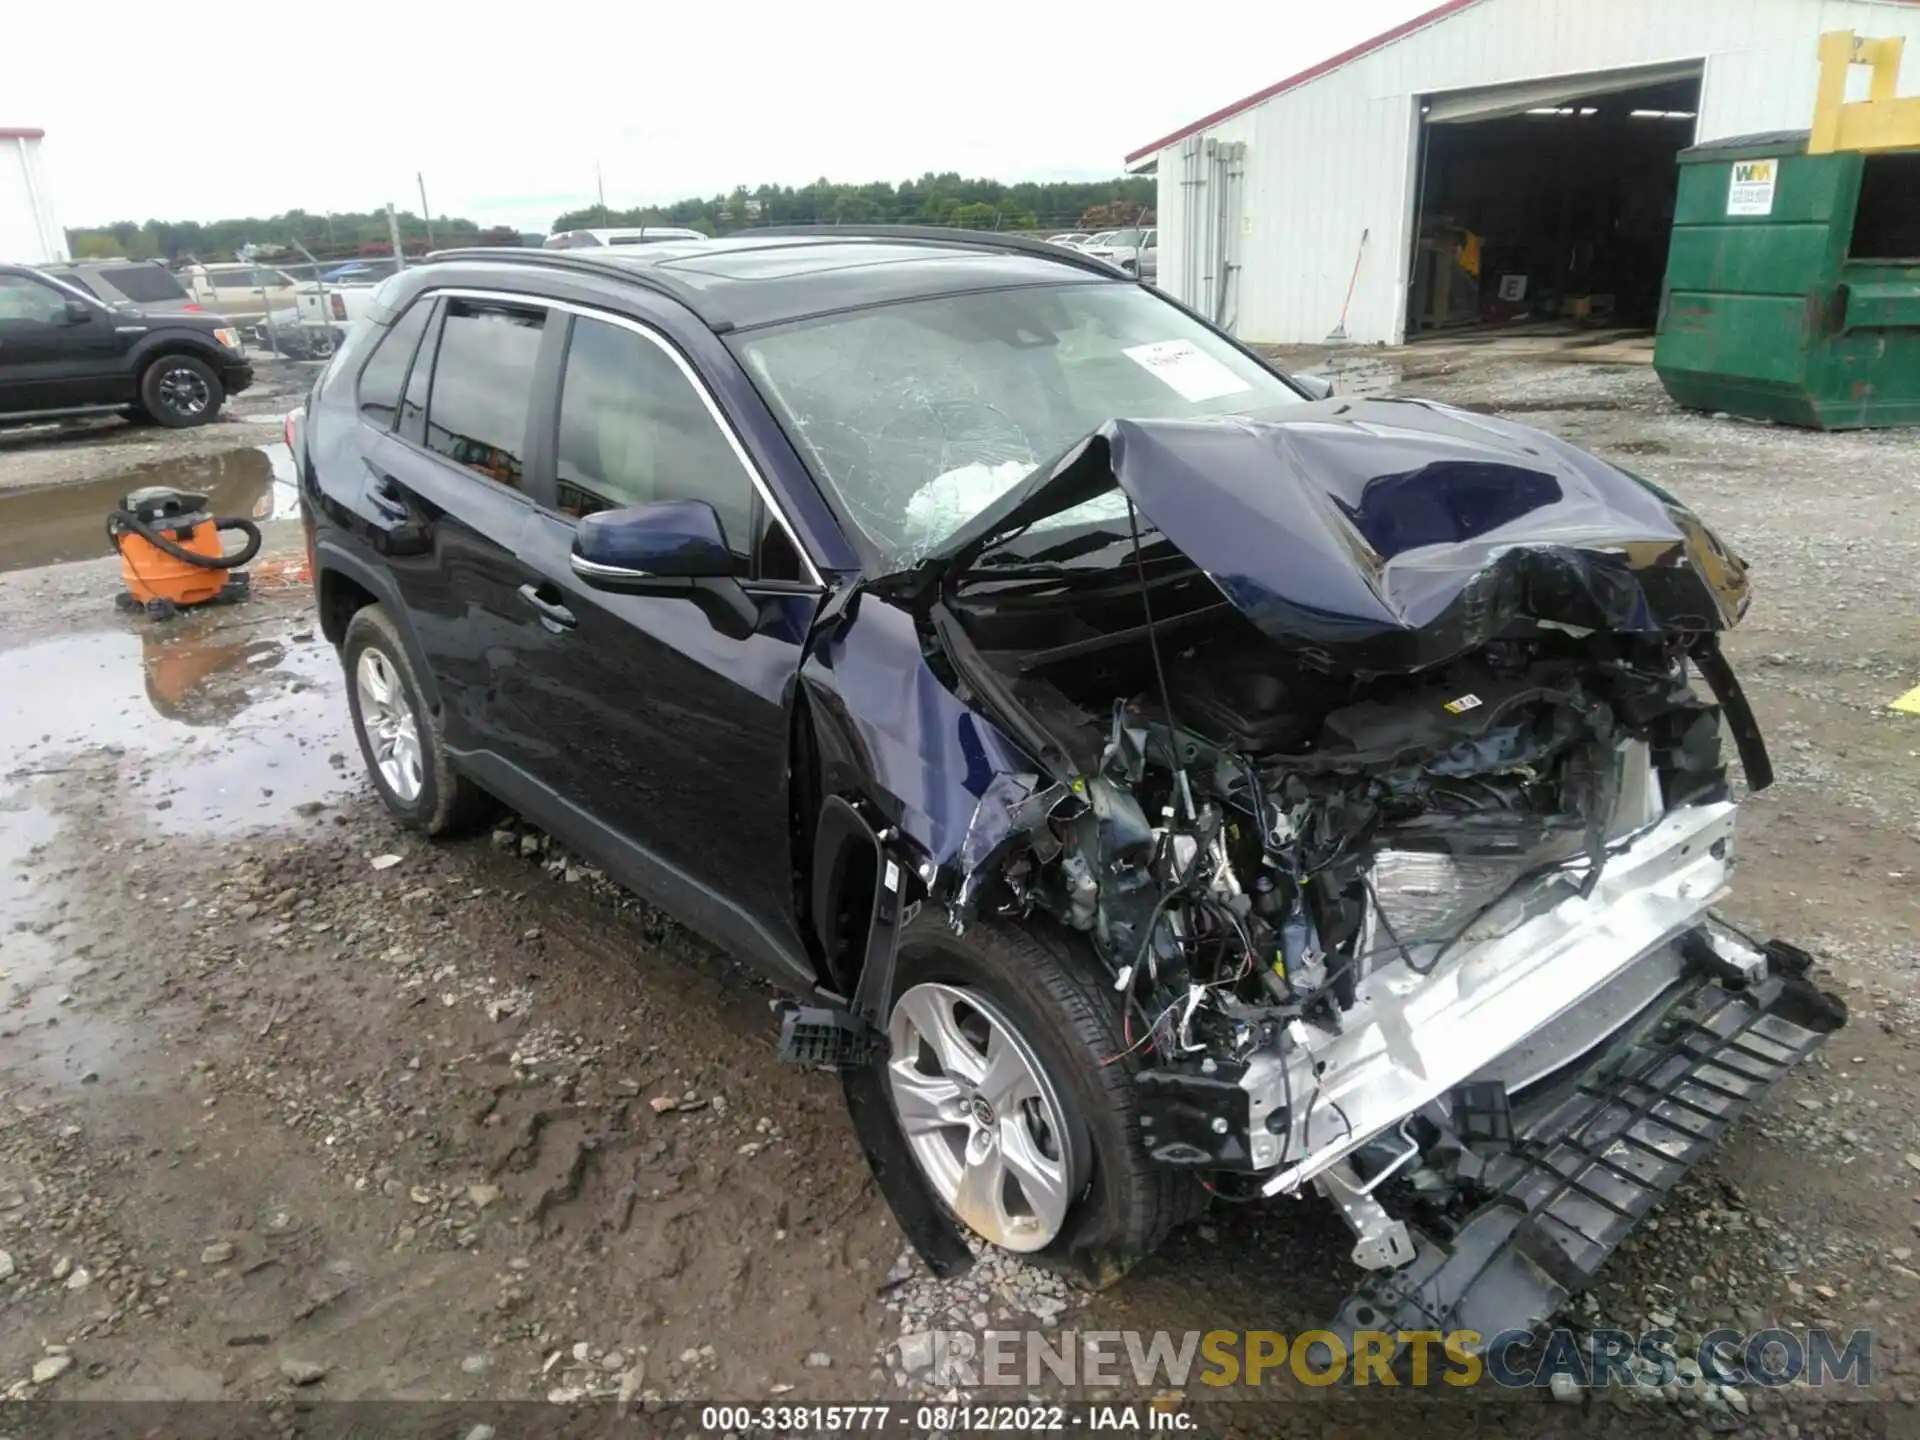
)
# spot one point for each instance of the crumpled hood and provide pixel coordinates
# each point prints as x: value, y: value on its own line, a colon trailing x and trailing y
x: 1389, y: 534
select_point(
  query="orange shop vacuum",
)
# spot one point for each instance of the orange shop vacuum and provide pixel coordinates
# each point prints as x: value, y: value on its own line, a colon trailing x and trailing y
x: 171, y: 553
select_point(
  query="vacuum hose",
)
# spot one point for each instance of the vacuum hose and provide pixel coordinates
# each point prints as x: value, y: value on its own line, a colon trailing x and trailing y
x: 119, y: 521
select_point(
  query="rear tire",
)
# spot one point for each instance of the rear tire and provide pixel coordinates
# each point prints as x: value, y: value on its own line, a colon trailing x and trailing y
x: 180, y: 391
x: 399, y: 735
x: 1045, y: 984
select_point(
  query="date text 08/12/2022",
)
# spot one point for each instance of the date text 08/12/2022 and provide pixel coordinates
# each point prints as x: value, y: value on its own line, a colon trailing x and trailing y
x: 943, y: 1418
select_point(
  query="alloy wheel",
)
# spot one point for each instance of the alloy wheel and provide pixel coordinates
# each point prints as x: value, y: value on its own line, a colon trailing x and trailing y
x: 983, y: 1120
x: 392, y: 729
x: 184, y: 392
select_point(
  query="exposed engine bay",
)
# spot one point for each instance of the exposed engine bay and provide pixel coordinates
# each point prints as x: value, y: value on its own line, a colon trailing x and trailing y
x: 1235, y: 886
x: 1296, y: 843
x: 1385, y: 801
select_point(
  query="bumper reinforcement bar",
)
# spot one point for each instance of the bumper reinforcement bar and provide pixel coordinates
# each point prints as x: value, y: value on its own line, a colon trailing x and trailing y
x: 1595, y: 1153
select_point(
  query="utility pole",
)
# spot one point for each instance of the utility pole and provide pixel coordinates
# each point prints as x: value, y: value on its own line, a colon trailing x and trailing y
x: 425, y: 213
x: 393, y: 231
x: 600, y: 187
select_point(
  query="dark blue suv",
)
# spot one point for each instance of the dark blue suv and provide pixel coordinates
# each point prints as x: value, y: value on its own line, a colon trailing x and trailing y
x: 1148, y: 775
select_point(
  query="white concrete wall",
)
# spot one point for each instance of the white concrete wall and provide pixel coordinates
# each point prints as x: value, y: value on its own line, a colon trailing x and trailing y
x: 1336, y: 156
x: 29, y: 233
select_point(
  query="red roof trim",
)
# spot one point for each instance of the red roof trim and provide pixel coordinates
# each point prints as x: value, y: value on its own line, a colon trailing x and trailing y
x: 1294, y: 82
x: 22, y: 134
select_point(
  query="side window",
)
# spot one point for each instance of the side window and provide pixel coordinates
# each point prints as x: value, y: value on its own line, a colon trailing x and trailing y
x: 482, y: 381
x: 778, y: 559
x: 31, y: 301
x: 633, y: 430
x: 386, y: 369
x: 72, y: 278
x: 413, y: 408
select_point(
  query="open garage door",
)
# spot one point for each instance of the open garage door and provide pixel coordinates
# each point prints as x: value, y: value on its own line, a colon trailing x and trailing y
x: 1550, y: 201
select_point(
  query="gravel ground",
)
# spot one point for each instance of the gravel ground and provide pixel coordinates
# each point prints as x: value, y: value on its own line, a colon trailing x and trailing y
x: 298, y: 1105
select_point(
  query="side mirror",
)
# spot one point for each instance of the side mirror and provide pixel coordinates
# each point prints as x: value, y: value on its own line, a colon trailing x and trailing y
x: 670, y: 540
x: 672, y: 547
x: 78, y: 312
x: 1318, y: 387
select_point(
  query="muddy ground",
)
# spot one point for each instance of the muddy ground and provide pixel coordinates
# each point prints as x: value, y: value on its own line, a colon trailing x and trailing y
x: 294, y: 1104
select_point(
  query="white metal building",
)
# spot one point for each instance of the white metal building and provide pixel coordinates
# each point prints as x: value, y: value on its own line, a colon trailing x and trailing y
x: 29, y: 233
x: 1526, y: 145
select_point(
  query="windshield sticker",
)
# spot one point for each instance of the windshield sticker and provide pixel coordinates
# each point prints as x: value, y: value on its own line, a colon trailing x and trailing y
x: 1186, y: 369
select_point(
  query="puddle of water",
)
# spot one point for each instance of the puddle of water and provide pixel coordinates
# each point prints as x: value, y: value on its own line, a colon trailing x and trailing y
x: 68, y: 522
x: 54, y: 1037
x: 217, y: 721
x: 1361, y: 377
x: 210, y: 724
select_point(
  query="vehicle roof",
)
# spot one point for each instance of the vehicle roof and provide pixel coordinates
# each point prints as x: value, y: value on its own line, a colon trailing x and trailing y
x: 770, y: 277
x: 115, y: 261
x: 606, y: 230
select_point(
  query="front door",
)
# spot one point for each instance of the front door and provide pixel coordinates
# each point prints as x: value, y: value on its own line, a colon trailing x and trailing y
x: 51, y: 358
x: 668, y: 726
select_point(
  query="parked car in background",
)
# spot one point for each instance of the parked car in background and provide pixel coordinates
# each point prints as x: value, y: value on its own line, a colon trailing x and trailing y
x: 636, y: 235
x: 64, y: 351
x: 147, y: 284
x: 1098, y: 238
x: 359, y: 272
x: 1146, y: 259
x: 298, y: 332
x: 1132, y: 250
x: 798, y: 578
x: 1073, y: 239
x: 244, y: 293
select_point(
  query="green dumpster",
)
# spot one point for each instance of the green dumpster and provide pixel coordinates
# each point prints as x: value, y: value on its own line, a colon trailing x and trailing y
x: 1793, y: 284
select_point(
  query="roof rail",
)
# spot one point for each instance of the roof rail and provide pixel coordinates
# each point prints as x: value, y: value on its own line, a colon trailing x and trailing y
x: 946, y: 235
x: 576, y: 260
x: 599, y: 263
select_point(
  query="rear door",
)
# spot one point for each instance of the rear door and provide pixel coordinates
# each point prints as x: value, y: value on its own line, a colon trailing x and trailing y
x: 670, y: 732
x: 446, y: 486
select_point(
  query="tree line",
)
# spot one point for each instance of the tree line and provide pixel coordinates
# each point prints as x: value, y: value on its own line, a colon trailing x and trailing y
x: 945, y: 199
x: 328, y: 236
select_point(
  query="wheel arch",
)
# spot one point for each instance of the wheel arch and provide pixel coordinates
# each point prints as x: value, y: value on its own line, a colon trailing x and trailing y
x: 162, y: 343
x: 344, y: 584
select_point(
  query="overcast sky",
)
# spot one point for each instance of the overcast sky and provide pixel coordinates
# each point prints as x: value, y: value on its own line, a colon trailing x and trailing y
x: 214, y: 111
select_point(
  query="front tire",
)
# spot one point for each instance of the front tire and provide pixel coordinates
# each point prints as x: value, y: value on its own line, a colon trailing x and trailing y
x: 399, y: 734
x: 1003, y: 1078
x: 180, y: 391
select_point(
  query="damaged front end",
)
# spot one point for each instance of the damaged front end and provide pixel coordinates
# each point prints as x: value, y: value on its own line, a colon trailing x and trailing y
x: 1367, y: 756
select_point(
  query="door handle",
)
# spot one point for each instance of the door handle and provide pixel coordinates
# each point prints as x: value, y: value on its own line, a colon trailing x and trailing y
x: 386, y: 496
x: 555, y: 616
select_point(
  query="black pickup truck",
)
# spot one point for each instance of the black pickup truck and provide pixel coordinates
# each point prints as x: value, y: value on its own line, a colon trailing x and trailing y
x: 65, y: 353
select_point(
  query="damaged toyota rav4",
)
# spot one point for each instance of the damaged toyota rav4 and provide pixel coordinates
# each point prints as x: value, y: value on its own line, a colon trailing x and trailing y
x: 1150, y: 776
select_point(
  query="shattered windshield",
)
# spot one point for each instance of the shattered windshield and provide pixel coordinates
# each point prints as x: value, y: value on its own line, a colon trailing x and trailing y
x: 919, y: 415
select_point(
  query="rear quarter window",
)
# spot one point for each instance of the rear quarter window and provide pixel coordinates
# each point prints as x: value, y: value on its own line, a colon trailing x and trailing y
x: 143, y: 284
x: 385, y: 372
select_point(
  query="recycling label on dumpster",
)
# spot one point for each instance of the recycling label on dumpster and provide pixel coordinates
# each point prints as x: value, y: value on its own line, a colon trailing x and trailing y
x: 1750, y: 192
